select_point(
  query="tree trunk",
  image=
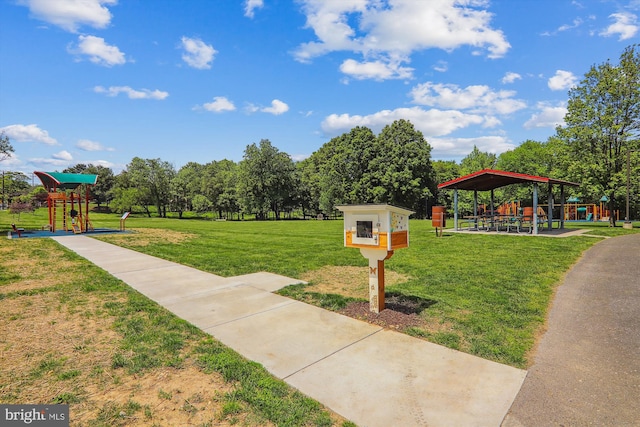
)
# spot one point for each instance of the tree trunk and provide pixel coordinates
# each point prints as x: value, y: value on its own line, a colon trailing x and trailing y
x: 612, y: 216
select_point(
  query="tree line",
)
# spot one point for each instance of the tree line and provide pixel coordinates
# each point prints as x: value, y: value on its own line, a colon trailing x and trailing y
x: 598, y: 147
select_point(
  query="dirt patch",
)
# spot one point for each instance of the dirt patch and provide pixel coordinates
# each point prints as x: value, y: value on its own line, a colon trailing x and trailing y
x: 166, y: 396
x: 37, y: 275
x: 147, y: 236
x: 347, y: 281
x: 51, y: 350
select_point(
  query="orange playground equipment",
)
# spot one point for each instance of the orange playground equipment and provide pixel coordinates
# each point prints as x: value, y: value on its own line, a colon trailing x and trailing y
x: 573, y: 211
x: 65, y: 200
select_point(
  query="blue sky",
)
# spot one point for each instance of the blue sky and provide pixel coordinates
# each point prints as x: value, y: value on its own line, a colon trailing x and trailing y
x: 103, y: 81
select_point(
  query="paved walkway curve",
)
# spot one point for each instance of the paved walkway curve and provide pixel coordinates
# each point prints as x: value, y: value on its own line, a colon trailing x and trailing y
x: 586, y: 370
x: 369, y: 375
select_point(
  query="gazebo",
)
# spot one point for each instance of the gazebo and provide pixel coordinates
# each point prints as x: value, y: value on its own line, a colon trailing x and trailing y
x: 490, y: 179
x: 72, y: 219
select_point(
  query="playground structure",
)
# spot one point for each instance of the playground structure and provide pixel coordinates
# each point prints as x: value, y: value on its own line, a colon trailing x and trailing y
x: 65, y: 200
x: 573, y: 211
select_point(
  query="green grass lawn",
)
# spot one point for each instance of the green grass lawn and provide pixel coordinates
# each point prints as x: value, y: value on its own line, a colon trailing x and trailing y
x: 487, y: 295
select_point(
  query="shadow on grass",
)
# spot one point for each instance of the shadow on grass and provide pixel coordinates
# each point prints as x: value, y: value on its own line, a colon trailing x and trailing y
x: 407, y: 304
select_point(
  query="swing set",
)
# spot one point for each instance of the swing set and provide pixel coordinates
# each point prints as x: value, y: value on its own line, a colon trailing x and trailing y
x: 65, y: 200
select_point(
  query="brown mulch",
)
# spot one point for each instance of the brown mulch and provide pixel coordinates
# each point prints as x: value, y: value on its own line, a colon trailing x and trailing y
x: 399, y: 313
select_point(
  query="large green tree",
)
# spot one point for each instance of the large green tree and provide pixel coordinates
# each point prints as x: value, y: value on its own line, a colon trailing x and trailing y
x: 342, y: 168
x: 185, y: 186
x: 477, y: 160
x: 265, y: 179
x: 401, y: 173
x: 602, y: 125
x: 152, y: 178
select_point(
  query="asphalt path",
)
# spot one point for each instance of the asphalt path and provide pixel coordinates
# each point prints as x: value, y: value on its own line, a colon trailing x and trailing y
x: 586, y: 369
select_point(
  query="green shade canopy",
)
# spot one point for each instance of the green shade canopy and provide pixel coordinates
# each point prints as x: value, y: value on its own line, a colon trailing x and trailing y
x: 65, y: 181
x: 604, y: 199
x: 573, y: 200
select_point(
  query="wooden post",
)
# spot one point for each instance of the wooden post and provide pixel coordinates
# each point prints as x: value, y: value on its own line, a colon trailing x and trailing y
x: 376, y: 277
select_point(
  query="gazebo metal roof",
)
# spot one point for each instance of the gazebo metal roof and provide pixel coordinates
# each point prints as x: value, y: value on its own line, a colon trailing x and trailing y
x: 65, y: 181
x: 490, y: 179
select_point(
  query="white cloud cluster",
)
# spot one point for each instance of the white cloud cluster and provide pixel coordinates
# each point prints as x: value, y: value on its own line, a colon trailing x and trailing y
x: 250, y: 6
x: 562, y: 80
x: 132, y: 93
x: 63, y: 155
x: 71, y: 14
x: 88, y: 145
x: 430, y: 122
x: 511, y: 77
x: 98, y: 51
x: 453, y: 108
x: 377, y: 70
x: 220, y: 104
x: 625, y: 25
x: 548, y: 116
x: 197, y: 54
x: 388, y: 32
x: 475, y: 98
x: 460, y: 147
x: 28, y: 133
x: 277, y: 107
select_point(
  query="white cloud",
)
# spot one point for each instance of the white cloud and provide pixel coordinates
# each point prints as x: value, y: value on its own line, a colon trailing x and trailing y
x: 476, y: 98
x: 562, y: 80
x: 98, y: 51
x: 88, y: 145
x: 441, y: 66
x: 132, y: 93
x: 63, y: 155
x: 104, y: 163
x: 26, y: 133
x: 277, y: 107
x: 71, y: 14
x: 460, y: 147
x: 251, y: 5
x: 625, y: 25
x: 44, y: 163
x: 391, y: 31
x: 377, y: 70
x: 220, y: 104
x: 575, y: 24
x: 197, y: 54
x: 549, y: 116
x: 511, y: 77
x: 430, y: 122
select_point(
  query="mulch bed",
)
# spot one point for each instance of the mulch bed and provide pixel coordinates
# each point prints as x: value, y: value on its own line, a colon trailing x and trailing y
x: 399, y: 313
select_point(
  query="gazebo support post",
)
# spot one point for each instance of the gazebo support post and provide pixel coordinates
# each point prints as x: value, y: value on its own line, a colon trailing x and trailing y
x: 455, y: 209
x: 475, y: 209
x: 535, y: 209
x: 561, y: 206
x: 492, y: 202
x: 550, y: 208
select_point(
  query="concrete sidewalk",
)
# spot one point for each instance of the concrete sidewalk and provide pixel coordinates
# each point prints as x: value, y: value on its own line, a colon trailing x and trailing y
x: 371, y: 376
